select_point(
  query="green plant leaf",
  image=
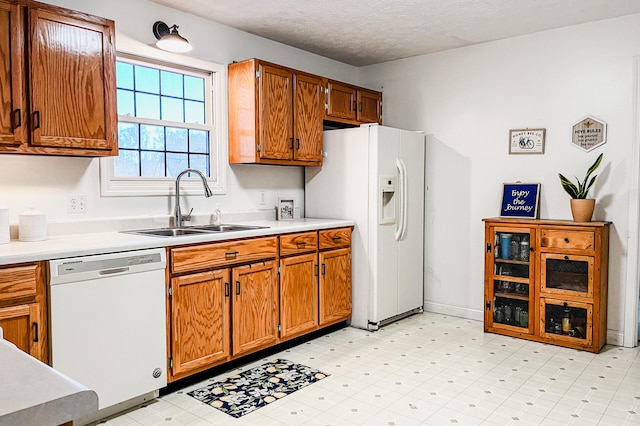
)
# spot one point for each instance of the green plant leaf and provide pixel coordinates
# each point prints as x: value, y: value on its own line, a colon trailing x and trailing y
x: 582, y: 188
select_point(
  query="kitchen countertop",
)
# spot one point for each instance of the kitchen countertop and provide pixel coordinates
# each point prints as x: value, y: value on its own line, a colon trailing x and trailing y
x: 58, y: 247
x: 32, y: 393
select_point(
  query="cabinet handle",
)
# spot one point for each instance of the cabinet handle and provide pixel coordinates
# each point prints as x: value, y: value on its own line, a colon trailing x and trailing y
x: 488, y: 247
x: 36, y: 119
x: 566, y: 258
x: 17, y: 118
x: 316, y: 269
x: 237, y: 288
x: 226, y: 290
x: 355, y: 105
x: 301, y: 243
x: 231, y: 254
x: 298, y: 141
x: 566, y: 240
x: 324, y: 269
x: 291, y: 140
x: 360, y: 109
x: 36, y: 338
x: 488, y: 305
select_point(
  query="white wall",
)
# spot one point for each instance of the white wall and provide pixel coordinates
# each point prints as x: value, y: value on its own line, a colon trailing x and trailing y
x: 469, y: 98
x: 46, y: 182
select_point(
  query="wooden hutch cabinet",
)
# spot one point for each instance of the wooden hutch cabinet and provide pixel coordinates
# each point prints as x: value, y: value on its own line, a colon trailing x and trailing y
x: 546, y: 280
x: 57, y: 81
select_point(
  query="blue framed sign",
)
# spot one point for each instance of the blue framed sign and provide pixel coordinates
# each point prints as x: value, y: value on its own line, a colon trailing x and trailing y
x: 520, y: 200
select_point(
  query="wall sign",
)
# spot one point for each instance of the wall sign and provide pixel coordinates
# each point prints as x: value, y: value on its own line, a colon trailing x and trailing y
x: 589, y: 133
x: 520, y: 200
x: 526, y: 141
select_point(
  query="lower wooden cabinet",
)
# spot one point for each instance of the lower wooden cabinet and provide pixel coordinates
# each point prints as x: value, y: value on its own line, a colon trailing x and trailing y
x: 335, y: 286
x: 255, y: 307
x: 23, y: 308
x: 232, y: 298
x: 199, y: 320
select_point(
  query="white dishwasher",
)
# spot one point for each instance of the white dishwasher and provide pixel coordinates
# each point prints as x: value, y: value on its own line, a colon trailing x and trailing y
x: 108, y: 326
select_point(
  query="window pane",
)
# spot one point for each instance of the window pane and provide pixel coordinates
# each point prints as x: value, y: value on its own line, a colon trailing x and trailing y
x: 152, y: 137
x: 198, y: 141
x: 194, y: 88
x: 126, y: 105
x: 199, y: 162
x: 176, y: 163
x: 172, y: 109
x: 148, y: 106
x: 128, y: 136
x: 126, y: 164
x: 152, y: 164
x: 147, y: 79
x: 194, y: 112
x: 171, y: 84
x: 176, y: 139
x: 124, y: 75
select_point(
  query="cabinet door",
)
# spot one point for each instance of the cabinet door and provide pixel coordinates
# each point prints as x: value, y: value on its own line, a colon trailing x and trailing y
x: 20, y: 326
x: 369, y: 106
x: 570, y: 323
x: 275, y: 113
x: 13, y: 127
x: 335, y: 286
x: 341, y: 101
x: 298, y: 295
x: 255, y: 307
x: 566, y: 275
x: 72, y: 76
x: 509, y: 290
x: 307, y: 119
x: 199, y: 319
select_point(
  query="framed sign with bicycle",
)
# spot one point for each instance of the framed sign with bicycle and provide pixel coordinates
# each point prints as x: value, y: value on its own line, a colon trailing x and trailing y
x: 526, y: 141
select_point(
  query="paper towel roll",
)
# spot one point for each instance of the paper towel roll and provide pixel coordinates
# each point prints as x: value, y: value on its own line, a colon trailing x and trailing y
x: 4, y: 225
x: 32, y: 226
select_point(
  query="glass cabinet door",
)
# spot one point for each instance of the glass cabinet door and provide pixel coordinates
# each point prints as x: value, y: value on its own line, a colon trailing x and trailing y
x: 511, y: 286
x: 566, y: 320
x: 566, y: 275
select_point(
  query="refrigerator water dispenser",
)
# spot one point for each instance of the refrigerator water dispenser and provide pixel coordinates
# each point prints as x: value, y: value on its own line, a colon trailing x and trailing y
x: 387, y: 199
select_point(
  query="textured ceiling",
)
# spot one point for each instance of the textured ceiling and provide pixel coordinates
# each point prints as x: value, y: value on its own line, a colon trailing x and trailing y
x: 363, y: 33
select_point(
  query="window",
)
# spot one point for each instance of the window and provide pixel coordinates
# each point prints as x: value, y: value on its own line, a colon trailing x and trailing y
x: 168, y: 120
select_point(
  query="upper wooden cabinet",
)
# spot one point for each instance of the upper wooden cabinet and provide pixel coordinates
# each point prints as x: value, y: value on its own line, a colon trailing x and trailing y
x: 57, y: 81
x: 275, y: 115
x: 351, y: 104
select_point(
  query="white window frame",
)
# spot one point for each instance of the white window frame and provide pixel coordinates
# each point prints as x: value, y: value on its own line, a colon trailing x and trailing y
x: 112, y: 186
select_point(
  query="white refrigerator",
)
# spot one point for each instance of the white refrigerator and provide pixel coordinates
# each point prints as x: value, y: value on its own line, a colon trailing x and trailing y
x: 374, y: 175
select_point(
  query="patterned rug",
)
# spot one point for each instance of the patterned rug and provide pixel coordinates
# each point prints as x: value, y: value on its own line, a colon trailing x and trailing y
x: 243, y: 393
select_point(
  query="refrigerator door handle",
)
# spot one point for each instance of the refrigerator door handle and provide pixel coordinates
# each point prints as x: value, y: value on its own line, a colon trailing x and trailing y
x: 401, y: 228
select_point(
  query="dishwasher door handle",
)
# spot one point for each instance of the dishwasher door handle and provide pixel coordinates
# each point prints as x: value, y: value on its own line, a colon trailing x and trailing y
x: 113, y: 271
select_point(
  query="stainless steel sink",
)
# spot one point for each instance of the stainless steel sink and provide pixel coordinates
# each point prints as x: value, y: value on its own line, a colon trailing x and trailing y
x: 192, y: 230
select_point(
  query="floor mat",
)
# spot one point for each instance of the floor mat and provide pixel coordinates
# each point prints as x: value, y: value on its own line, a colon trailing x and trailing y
x: 243, y: 393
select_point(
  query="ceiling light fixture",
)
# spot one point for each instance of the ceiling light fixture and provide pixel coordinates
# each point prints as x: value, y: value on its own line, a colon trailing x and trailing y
x: 169, y: 39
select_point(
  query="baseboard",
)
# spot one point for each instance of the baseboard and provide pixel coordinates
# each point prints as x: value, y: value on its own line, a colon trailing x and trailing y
x: 615, y: 337
x: 456, y: 311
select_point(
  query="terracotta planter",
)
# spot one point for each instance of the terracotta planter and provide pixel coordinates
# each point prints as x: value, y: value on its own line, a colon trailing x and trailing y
x: 582, y: 209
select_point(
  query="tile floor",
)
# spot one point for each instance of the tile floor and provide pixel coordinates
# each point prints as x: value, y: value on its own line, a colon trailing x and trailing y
x: 432, y: 369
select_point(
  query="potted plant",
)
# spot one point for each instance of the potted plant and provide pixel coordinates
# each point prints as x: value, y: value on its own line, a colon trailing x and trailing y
x: 581, y: 206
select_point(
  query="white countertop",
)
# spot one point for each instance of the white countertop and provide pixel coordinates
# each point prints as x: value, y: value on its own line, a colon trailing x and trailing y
x: 34, y: 394
x: 58, y: 247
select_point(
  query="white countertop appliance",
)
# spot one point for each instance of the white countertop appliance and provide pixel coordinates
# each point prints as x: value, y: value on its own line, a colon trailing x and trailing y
x: 108, y: 322
x: 375, y: 176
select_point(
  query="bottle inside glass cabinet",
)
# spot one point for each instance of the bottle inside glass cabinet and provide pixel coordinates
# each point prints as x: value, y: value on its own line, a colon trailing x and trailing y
x: 511, y: 284
x: 565, y: 320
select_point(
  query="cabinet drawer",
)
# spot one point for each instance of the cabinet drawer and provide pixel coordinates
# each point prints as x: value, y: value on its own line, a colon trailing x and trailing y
x: 304, y: 242
x: 191, y: 258
x: 562, y: 239
x: 17, y: 281
x: 334, y: 238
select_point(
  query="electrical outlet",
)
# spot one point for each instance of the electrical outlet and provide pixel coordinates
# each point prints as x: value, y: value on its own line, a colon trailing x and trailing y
x: 77, y: 203
x: 262, y: 201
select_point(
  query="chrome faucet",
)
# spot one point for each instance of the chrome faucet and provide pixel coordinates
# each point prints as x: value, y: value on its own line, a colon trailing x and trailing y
x: 178, y: 217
